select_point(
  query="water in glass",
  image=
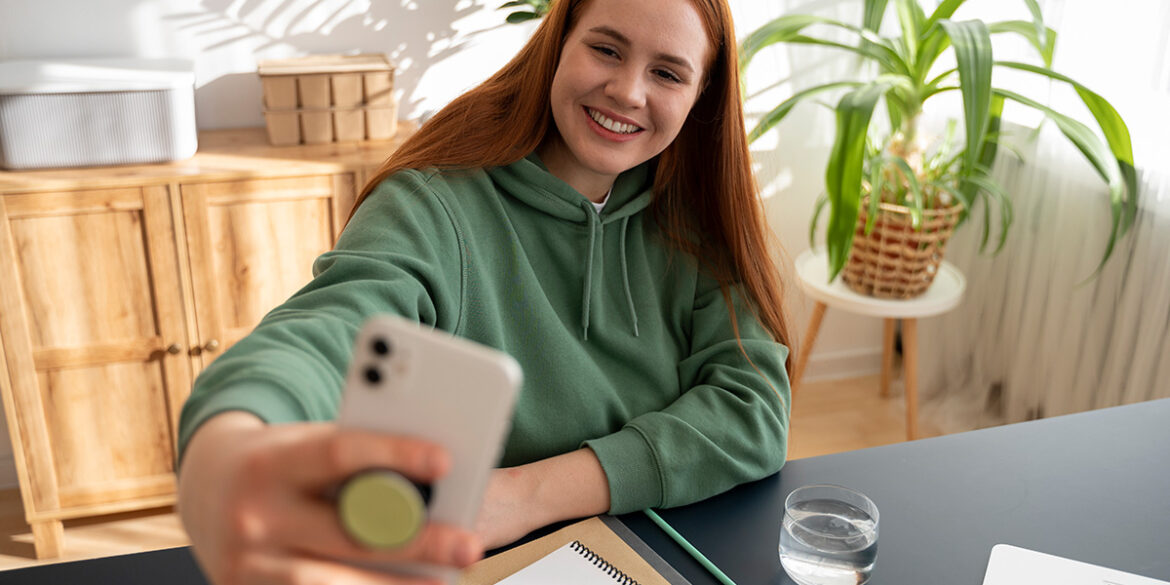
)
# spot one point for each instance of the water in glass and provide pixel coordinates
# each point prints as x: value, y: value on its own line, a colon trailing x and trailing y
x: 828, y: 542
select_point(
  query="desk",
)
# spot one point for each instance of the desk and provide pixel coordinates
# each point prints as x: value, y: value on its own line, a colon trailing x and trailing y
x: 1091, y: 487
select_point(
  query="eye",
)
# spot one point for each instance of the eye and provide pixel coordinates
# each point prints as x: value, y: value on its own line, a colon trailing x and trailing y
x: 606, y: 51
x: 667, y: 75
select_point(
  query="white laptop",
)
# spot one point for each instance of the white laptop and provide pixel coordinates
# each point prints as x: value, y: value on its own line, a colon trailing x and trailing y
x: 1011, y: 565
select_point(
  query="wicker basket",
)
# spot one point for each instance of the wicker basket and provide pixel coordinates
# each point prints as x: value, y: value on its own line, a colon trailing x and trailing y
x: 329, y: 98
x: 895, y: 260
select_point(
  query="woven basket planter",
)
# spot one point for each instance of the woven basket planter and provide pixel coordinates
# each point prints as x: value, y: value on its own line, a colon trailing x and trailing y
x: 894, y: 260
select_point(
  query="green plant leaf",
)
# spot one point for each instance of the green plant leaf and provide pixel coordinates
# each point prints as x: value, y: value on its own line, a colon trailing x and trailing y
x: 1027, y: 30
x: 539, y: 7
x: 886, y: 56
x: 937, y: 90
x: 876, y: 182
x: 518, y: 17
x: 787, y: 29
x: 916, y: 204
x: 843, y: 173
x: 944, y: 11
x: 987, y: 184
x: 871, y: 21
x: 779, y: 112
x: 934, y: 40
x: 935, y: 43
x: 910, y: 18
x: 944, y: 185
x: 1098, y: 154
x: 1010, y: 148
x: 986, y: 158
x: 780, y: 30
x: 1045, y: 44
x: 938, y: 167
x: 944, y: 150
x: 894, y: 110
x: 972, y: 43
x: 875, y: 11
x: 933, y: 85
x: 990, y: 145
x: 1112, y: 126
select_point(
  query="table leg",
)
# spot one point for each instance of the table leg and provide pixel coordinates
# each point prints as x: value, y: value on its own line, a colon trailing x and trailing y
x: 910, y: 372
x: 888, y: 355
x: 806, y: 345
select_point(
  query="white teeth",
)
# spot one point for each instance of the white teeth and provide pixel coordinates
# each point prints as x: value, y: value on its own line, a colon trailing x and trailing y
x: 611, y: 125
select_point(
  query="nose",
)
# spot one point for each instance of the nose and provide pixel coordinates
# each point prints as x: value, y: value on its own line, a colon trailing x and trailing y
x: 627, y: 88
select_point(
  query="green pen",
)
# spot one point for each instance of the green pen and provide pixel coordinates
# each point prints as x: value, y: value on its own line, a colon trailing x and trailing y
x: 694, y: 552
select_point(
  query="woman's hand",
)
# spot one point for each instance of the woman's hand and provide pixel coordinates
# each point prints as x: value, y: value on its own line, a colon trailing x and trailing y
x: 251, y: 500
x: 521, y: 499
x: 508, y: 512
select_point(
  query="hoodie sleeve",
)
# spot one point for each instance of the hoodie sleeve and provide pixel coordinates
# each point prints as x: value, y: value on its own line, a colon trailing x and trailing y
x: 729, y: 426
x: 400, y: 254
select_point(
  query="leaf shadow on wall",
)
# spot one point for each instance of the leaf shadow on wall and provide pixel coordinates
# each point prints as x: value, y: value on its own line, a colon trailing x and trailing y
x: 415, y: 34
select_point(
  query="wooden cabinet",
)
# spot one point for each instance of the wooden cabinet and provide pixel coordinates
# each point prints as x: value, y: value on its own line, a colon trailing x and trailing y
x: 252, y: 244
x: 118, y: 285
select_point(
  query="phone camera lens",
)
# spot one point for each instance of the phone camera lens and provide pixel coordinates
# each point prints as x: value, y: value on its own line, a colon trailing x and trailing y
x: 373, y: 376
x: 381, y: 346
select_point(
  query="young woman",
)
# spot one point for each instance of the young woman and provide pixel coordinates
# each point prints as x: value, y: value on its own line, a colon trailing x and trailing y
x: 590, y: 210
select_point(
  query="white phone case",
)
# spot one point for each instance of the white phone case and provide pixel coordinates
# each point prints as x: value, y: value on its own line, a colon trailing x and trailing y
x: 412, y: 381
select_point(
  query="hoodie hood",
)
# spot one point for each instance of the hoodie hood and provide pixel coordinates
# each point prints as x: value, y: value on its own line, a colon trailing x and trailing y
x: 530, y: 182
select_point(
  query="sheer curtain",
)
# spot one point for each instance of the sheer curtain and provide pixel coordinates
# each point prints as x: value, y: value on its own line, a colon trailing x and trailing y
x: 1035, y: 336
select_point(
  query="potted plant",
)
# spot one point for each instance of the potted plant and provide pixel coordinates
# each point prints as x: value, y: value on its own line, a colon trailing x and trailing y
x: 930, y: 189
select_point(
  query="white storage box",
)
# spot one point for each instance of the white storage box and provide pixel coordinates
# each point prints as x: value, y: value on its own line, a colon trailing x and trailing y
x: 96, y: 112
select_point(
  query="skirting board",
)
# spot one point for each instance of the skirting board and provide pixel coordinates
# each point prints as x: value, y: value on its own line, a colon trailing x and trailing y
x: 850, y: 363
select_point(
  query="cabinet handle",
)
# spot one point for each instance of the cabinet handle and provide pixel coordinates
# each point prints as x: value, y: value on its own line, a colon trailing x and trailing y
x: 211, y: 345
x: 174, y: 349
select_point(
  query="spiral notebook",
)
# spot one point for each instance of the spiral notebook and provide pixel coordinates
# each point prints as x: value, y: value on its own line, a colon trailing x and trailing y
x: 572, y: 564
x: 597, y: 551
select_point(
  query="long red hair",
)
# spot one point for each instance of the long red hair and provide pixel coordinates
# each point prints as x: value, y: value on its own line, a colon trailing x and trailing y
x: 706, y: 198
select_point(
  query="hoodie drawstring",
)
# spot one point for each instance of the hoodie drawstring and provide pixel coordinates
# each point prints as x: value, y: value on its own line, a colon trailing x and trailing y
x: 594, y: 226
x: 587, y: 293
x: 626, y: 275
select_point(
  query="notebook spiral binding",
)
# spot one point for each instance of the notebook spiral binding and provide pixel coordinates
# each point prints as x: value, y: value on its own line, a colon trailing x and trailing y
x: 594, y: 558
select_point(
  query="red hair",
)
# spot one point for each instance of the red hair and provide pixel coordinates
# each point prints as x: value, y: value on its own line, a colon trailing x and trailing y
x: 705, y: 193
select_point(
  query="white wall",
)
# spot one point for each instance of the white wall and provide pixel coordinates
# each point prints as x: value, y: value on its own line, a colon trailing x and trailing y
x: 442, y: 47
x: 790, y: 163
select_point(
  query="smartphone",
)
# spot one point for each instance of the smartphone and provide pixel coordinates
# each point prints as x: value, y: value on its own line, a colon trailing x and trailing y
x: 409, y: 380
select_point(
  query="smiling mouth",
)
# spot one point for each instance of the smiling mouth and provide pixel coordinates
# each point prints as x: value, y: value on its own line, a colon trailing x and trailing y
x: 612, y: 125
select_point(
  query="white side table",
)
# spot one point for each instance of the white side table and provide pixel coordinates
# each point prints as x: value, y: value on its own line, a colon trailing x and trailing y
x: 944, y: 294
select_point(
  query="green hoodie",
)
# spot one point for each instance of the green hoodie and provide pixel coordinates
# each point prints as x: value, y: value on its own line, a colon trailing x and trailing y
x: 626, y: 346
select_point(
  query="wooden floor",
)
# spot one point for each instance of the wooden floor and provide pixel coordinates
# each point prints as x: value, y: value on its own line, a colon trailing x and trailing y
x: 827, y: 417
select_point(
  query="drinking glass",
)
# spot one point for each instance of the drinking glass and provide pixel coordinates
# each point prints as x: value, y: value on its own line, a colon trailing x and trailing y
x: 829, y: 536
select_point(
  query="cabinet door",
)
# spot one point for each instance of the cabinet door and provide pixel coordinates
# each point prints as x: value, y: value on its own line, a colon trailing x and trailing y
x: 252, y: 245
x: 90, y: 299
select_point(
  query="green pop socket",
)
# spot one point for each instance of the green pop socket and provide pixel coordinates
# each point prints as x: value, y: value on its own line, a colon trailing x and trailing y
x: 381, y: 509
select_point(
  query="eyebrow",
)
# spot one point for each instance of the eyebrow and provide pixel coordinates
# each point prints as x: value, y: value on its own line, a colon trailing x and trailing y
x: 619, y: 37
